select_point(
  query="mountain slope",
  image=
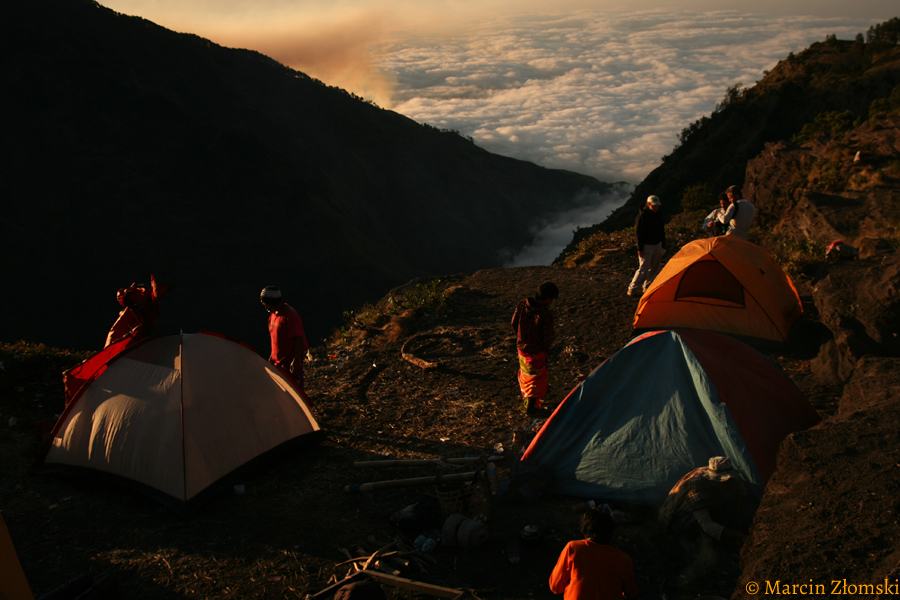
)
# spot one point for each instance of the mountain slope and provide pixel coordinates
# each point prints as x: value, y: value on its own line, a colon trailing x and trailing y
x: 132, y: 149
x: 828, y: 76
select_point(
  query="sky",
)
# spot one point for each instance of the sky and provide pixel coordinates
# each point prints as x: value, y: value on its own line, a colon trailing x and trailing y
x: 599, y: 87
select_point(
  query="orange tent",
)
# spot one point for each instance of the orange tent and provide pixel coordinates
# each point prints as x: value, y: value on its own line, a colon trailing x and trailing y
x: 723, y: 284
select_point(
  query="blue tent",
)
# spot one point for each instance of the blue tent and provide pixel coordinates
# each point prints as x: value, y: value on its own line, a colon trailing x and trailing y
x: 661, y: 407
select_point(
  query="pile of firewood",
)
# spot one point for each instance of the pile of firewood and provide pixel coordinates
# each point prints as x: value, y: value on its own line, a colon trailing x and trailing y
x: 392, y: 558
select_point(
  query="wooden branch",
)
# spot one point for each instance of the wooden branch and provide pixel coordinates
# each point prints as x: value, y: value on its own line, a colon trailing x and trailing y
x: 410, y: 358
x: 420, y: 462
x: 412, y: 482
x: 374, y: 556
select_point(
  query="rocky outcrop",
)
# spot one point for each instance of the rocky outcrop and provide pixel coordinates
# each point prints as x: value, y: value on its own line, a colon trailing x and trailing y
x: 839, y: 189
x: 831, y: 76
x: 859, y: 302
x: 835, y: 491
x: 845, y: 188
x: 829, y: 513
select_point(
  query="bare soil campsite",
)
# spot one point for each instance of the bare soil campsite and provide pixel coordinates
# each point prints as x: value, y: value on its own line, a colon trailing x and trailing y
x: 288, y: 534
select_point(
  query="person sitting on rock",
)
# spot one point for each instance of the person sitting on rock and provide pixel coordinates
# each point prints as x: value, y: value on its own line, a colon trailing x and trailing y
x: 592, y: 568
x: 708, y: 499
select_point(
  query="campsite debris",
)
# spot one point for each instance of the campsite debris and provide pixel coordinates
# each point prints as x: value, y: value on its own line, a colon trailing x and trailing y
x: 466, y: 533
x: 420, y: 462
x: 412, y: 359
x: 838, y: 250
x: 530, y: 532
x: 586, y: 505
x: 387, y: 558
x: 397, y: 582
x: 415, y: 555
x: 412, y: 482
x: 512, y: 552
x: 431, y: 542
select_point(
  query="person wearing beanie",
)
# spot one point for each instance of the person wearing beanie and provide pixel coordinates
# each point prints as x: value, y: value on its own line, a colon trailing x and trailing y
x: 592, y: 568
x: 286, y: 332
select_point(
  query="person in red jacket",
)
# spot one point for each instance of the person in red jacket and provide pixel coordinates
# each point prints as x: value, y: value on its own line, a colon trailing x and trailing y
x: 286, y: 330
x: 592, y: 569
x: 533, y: 323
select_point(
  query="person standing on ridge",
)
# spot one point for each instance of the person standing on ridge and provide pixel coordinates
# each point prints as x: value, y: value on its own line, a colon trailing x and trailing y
x: 532, y: 322
x: 286, y: 330
x: 739, y: 216
x: 651, y: 244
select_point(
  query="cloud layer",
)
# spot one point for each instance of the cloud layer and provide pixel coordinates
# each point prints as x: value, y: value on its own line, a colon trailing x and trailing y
x: 604, y: 94
x: 552, y: 236
x: 595, y: 91
x: 590, y: 90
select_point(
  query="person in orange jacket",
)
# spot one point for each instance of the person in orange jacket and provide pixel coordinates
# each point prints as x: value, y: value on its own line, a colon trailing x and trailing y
x: 289, y: 344
x: 592, y: 569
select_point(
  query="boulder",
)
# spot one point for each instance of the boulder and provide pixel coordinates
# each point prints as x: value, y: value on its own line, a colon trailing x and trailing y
x: 859, y: 302
x: 829, y: 512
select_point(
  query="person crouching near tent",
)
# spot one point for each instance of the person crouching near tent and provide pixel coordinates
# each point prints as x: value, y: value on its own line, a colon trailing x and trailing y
x: 651, y: 244
x: 286, y: 330
x: 533, y: 323
x: 592, y: 568
x: 714, y: 224
x: 709, y: 502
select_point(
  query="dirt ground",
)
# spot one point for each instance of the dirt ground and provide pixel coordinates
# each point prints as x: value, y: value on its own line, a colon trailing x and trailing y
x: 281, y: 538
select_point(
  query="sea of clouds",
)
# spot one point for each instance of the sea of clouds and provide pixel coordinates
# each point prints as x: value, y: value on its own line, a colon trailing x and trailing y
x: 604, y: 94
x: 600, y: 92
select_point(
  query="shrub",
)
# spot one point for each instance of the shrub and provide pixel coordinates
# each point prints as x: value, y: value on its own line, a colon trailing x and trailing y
x: 827, y: 124
x: 421, y: 298
x: 883, y: 107
x: 697, y: 197
x: 26, y: 367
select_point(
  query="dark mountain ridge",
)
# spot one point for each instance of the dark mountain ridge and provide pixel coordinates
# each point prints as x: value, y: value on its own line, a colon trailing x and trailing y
x: 130, y: 149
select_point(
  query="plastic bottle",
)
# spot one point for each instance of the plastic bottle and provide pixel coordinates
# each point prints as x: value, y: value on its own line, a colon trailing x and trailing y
x: 434, y: 538
x: 491, y: 471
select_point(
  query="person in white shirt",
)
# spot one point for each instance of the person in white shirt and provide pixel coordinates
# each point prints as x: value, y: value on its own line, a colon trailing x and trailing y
x: 740, y: 214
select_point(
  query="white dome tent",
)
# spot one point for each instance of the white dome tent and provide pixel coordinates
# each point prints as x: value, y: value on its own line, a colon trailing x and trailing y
x: 172, y: 416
